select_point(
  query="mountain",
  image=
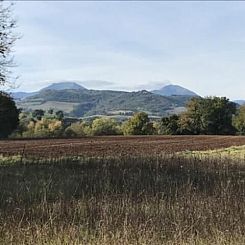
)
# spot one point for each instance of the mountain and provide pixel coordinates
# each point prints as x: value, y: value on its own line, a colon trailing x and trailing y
x: 240, y: 102
x: 63, y: 86
x: 54, y: 86
x: 170, y: 90
x: 84, y: 102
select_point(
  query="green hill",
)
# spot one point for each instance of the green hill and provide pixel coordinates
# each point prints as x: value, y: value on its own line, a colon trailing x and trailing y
x: 83, y: 102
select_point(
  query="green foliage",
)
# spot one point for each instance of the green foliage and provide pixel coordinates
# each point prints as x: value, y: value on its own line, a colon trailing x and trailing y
x: 24, y: 120
x: 211, y: 115
x: 169, y: 125
x: 38, y: 114
x: 239, y: 120
x: 77, y: 129
x: 59, y: 115
x: 139, y: 124
x: 50, y: 111
x: 9, y: 115
x: 105, y: 126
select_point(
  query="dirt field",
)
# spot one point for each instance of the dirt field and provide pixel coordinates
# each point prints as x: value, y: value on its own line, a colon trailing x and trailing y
x: 116, y: 146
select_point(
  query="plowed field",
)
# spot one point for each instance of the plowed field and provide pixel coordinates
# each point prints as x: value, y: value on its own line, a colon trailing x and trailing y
x: 116, y: 145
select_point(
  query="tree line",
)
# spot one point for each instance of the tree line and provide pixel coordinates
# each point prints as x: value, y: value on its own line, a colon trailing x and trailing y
x: 203, y: 116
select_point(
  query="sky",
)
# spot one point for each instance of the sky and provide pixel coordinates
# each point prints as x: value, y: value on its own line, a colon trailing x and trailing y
x: 132, y: 45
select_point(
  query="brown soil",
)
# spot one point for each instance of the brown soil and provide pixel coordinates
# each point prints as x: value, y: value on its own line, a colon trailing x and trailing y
x: 116, y: 145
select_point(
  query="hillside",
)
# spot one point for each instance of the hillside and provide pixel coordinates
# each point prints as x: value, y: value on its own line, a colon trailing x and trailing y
x: 83, y: 102
x: 54, y: 86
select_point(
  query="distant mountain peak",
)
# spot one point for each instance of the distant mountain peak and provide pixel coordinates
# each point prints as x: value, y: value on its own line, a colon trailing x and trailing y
x: 240, y: 102
x: 170, y: 90
x: 64, y: 85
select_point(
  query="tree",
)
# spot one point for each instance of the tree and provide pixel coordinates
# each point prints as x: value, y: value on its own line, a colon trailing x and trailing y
x: 44, y: 128
x: 7, y: 41
x: 239, y: 120
x: 139, y: 124
x: 169, y: 125
x: 211, y: 115
x: 50, y: 111
x: 104, y: 126
x: 9, y: 115
x: 38, y: 114
x: 77, y: 129
x: 24, y: 120
x: 59, y: 115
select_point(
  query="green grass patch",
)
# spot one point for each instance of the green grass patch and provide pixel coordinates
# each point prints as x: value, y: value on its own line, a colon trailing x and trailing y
x: 234, y: 152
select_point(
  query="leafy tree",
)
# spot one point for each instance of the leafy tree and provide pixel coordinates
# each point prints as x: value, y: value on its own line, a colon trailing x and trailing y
x: 169, y: 125
x: 104, y: 126
x: 211, y: 115
x: 9, y: 115
x: 44, y: 128
x: 7, y: 41
x: 24, y: 120
x: 50, y: 111
x: 38, y: 114
x: 156, y: 127
x: 59, y: 115
x: 139, y: 124
x: 77, y: 129
x: 239, y: 120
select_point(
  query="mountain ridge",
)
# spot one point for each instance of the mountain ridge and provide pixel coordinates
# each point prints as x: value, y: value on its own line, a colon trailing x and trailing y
x: 167, y: 90
x: 79, y: 101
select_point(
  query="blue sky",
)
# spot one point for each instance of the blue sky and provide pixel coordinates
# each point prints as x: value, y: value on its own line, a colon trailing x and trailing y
x: 133, y: 45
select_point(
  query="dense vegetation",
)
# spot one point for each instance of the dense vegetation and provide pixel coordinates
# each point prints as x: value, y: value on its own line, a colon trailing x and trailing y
x: 210, y: 116
x: 9, y: 115
x: 129, y: 200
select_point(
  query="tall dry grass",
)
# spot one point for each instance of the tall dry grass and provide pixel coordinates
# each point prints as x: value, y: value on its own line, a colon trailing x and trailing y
x: 129, y: 200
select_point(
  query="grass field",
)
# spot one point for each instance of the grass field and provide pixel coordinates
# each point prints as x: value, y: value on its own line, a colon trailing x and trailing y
x: 234, y: 152
x: 124, y: 199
